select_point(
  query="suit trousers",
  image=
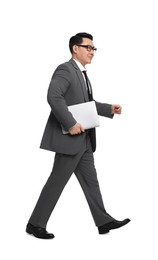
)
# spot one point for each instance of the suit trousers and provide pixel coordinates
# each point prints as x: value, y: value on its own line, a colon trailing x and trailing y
x: 82, y: 164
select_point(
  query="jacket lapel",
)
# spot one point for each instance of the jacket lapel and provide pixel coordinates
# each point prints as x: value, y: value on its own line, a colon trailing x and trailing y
x: 81, y: 79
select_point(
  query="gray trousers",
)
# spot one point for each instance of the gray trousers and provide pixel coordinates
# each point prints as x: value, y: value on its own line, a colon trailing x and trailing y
x: 82, y: 164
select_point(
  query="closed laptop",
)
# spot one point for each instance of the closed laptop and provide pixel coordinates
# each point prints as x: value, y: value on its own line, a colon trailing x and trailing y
x: 85, y: 114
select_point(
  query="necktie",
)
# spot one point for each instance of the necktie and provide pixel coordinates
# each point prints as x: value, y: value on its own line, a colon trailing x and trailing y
x: 89, y: 88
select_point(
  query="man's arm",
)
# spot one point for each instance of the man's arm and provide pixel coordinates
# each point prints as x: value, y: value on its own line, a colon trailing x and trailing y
x: 108, y: 110
x: 58, y: 87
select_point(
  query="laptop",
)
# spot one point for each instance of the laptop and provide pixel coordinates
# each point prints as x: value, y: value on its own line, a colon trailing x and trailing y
x: 85, y: 114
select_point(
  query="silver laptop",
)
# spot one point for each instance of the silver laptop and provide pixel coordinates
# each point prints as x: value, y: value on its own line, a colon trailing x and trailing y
x: 85, y: 114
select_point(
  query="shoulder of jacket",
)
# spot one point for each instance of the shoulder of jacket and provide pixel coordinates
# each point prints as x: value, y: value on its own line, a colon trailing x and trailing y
x: 63, y: 65
x: 68, y: 65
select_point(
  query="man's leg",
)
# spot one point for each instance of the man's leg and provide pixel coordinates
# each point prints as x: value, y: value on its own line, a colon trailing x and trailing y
x: 87, y: 176
x: 64, y: 166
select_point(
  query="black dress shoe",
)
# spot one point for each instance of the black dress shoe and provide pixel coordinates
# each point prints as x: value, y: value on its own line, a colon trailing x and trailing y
x: 38, y: 232
x: 112, y: 225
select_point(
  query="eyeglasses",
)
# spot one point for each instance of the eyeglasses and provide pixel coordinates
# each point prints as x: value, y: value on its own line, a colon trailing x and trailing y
x: 88, y: 47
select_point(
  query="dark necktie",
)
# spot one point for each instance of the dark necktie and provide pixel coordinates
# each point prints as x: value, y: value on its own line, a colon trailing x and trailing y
x: 89, y: 88
x: 90, y: 95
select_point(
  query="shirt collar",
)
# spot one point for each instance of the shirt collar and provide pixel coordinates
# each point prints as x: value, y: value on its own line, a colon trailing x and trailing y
x: 79, y: 65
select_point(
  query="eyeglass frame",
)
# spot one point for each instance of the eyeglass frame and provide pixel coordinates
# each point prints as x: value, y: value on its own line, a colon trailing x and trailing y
x: 88, y: 47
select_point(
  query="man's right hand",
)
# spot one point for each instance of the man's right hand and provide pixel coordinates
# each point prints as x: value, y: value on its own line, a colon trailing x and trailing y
x: 76, y: 129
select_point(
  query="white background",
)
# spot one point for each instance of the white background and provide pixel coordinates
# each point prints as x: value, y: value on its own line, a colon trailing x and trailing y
x: 34, y: 40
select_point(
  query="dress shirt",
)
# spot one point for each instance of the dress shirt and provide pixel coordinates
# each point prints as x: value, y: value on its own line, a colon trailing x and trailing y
x: 81, y: 67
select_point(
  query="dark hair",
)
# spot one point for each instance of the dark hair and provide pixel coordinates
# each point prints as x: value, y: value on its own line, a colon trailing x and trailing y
x: 77, y: 39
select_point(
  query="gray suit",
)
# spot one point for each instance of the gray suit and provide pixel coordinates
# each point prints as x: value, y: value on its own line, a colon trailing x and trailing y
x: 67, y: 88
x: 73, y: 153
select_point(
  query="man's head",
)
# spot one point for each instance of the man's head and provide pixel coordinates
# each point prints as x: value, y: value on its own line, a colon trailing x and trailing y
x: 82, y: 48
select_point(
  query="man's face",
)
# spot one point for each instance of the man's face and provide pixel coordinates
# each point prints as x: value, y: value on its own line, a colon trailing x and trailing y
x: 84, y: 54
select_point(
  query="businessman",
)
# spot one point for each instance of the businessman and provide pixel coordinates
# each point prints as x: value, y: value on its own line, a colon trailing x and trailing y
x: 73, y: 151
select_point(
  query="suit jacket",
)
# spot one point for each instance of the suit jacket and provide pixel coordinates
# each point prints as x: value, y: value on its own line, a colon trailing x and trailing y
x: 67, y: 87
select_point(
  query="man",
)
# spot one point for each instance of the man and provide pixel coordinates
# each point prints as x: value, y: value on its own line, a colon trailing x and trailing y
x: 74, y: 151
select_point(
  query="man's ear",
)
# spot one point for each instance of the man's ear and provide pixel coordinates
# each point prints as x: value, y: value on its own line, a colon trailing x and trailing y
x: 75, y: 48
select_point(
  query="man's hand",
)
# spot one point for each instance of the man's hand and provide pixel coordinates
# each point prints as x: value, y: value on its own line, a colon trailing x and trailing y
x: 116, y: 109
x: 76, y: 129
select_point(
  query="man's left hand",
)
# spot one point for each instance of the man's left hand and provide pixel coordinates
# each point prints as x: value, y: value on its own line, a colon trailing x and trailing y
x: 116, y: 109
